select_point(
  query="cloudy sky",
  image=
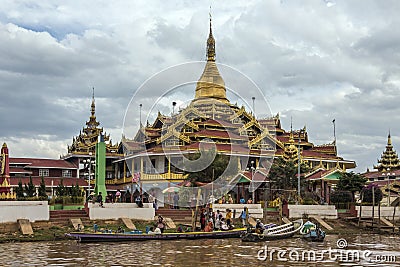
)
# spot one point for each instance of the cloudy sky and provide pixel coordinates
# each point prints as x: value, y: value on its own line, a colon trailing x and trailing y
x: 315, y: 61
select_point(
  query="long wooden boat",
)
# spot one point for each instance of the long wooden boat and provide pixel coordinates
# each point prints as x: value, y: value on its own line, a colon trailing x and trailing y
x: 273, y: 233
x: 123, y: 237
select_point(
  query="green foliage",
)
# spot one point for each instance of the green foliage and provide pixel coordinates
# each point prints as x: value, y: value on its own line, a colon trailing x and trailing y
x: 341, y: 196
x: 350, y: 181
x: 42, y: 189
x: 367, y: 194
x: 19, y: 190
x: 61, y: 190
x: 30, y: 188
x: 220, y: 164
x: 283, y: 174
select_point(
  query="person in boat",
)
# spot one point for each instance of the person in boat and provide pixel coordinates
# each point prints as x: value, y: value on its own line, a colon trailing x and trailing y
x: 138, y: 201
x: 209, y: 227
x: 244, y: 216
x: 160, y: 224
x: 223, y: 225
x: 259, y: 227
x: 202, y: 219
x: 216, y: 215
x: 99, y: 199
x: 158, y: 231
x: 120, y: 230
x: 151, y: 231
x: 217, y: 224
x: 228, y: 218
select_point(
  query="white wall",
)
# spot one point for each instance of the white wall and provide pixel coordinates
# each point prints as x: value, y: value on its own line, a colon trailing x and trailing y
x: 324, y: 211
x: 121, y: 210
x: 386, y: 212
x: 11, y: 211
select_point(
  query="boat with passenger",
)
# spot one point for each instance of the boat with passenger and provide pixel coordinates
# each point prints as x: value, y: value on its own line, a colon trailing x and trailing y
x: 312, y: 232
x: 274, y: 232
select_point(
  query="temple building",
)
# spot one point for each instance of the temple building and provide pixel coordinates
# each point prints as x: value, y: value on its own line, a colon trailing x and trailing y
x: 6, y: 192
x: 82, y: 151
x: 155, y: 154
x: 386, y: 173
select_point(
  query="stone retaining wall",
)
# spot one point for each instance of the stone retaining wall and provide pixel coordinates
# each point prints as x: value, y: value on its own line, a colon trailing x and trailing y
x: 121, y: 210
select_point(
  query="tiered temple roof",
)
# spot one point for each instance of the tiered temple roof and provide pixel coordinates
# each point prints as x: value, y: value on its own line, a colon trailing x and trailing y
x: 86, y: 141
x: 389, y: 158
x: 211, y: 116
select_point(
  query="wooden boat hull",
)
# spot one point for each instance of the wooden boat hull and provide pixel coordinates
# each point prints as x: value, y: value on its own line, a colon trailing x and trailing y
x: 314, y: 235
x: 125, y: 237
x: 274, y: 233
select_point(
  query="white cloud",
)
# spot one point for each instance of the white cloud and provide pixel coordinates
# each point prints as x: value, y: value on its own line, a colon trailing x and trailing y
x: 314, y: 60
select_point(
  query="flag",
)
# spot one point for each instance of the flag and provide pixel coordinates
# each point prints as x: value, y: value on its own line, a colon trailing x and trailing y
x: 136, y: 177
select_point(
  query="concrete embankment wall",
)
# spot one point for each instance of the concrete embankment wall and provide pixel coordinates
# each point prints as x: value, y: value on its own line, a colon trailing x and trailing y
x: 386, y: 212
x: 11, y: 211
x: 121, y: 210
x: 324, y: 211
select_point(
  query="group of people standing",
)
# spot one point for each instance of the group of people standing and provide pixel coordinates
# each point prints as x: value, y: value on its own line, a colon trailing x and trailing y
x: 210, y: 221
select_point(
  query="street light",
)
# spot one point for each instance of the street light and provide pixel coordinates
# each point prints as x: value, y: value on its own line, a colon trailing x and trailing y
x: 252, y: 178
x: 388, y: 174
x: 88, y: 164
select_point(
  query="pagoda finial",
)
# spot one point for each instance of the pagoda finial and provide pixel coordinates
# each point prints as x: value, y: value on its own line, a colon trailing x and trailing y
x: 93, y: 107
x: 389, y: 143
x: 210, y: 43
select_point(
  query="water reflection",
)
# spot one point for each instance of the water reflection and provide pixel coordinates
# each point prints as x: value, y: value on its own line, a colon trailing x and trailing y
x: 230, y: 252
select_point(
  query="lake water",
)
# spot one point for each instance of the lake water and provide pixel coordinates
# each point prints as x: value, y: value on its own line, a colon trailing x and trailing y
x: 361, y: 250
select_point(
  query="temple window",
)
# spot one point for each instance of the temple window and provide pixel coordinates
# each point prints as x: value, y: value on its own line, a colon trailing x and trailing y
x: 44, y: 172
x: 65, y: 173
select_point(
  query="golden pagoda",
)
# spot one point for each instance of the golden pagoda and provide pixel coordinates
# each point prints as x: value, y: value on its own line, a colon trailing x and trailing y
x: 389, y: 158
x: 87, y: 139
x: 210, y: 120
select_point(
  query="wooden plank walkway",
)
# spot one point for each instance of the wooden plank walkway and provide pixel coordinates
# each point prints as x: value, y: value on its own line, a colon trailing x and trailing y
x: 128, y: 223
x: 25, y: 226
x: 322, y: 222
x: 76, y: 223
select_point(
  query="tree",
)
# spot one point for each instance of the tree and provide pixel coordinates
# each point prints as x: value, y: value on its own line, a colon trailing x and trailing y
x: 367, y: 193
x: 20, y: 190
x: 42, y: 188
x: 283, y: 174
x: 215, y: 165
x: 350, y: 181
x: 340, y: 196
x: 30, y: 188
x: 61, y: 190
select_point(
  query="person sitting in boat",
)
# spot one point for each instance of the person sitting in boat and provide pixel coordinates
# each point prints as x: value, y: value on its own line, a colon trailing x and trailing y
x: 151, y: 231
x: 209, y: 227
x: 224, y: 226
x: 157, y: 231
x: 259, y: 226
x: 160, y: 223
x: 120, y: 230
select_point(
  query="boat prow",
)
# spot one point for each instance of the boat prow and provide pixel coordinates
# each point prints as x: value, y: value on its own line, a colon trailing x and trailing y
x: 273, y: 233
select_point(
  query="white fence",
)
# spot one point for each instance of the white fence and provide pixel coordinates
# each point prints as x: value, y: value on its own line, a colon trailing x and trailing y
x: 11, y: 211
x: 386, y: 212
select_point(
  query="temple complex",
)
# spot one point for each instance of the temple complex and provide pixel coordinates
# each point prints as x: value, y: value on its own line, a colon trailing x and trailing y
x: 212, y: 121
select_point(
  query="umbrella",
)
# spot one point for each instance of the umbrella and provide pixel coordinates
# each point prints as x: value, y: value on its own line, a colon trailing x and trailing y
x: 171, y: 189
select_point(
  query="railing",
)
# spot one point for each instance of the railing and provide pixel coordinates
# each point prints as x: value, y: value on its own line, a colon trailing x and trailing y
x: 145, y: 177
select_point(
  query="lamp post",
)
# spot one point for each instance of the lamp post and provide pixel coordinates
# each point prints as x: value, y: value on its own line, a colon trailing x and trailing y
x: 252, y: 178
x: 88, y: 162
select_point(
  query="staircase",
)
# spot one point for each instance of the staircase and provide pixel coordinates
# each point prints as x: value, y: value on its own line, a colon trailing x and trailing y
x: 61, y: 217
x: 181, y: 216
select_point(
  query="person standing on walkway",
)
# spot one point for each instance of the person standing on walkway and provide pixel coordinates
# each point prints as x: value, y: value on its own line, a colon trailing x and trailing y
x: 176, y: 201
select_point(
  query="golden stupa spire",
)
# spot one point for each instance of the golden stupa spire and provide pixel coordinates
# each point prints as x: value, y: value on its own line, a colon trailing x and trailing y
x: 93, y: 106
x: 211, y: 84
x: 210, y: 43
